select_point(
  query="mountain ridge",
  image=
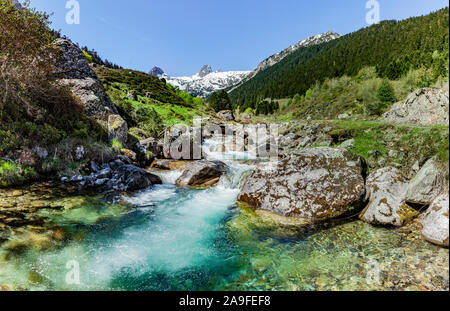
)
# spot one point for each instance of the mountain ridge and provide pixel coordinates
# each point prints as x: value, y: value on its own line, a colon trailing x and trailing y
x: 203, y: 83
x: 310, y: 41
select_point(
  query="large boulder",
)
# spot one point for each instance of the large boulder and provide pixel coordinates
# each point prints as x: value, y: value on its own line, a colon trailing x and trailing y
x: 426, y: 106
x: 135, y: 178
x: 226, y: 115
x: 73, y: 70
x: 117, y: 129
x: 436, y: 223
x: 114, y: 176
x: 385, y: 190
x: 426, y: 185
x: 201, y: 173
x: 313, y: 184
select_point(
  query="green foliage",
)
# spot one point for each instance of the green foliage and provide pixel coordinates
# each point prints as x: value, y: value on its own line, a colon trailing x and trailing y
x: 198, y: 101
x: 443, y: 151
x: 220, y: 101
x: 12, y: 174
x: 385, y: 97
x: 119, y: 81
x: 116, y: 144
x: 88, y: 56
x: 265, y: 107
x: 392, y: 47
x: 34, y: 110
x: 248, y: 111
x: 385, y: 92
x: 297, y: 100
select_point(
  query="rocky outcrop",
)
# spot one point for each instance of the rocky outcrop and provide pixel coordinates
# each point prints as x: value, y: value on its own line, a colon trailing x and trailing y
x: 226, y: 115
x: 156, y: 72
x: 423, y: 107
x: 314, y: 184
x: 436, y: 223
x: 116, y: 175
x: 73, y: 70
x: 206, y: 70
x: 152, y: 145
x: 426, y: 185
x: 201, y: 173
x: 135, y: 178
x: 117, y: 129
x: 385, y: 191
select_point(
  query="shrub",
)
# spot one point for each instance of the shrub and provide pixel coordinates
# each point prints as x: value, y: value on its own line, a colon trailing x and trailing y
x: 366, y: 73
x: 88, y: 56
x: 248, y: 111
x: 12, y: 174
x: 116, y: 144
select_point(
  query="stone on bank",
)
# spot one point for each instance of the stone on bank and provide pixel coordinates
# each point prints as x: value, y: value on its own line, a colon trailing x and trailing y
x: 314, y: 184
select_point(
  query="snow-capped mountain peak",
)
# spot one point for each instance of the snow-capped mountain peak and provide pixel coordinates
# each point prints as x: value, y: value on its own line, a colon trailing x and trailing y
x: 206, y: 70
x: 203, y: 83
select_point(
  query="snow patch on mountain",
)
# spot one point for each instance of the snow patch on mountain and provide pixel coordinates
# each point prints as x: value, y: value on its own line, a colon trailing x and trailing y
x: 272, y: 60
x: 203, y: 83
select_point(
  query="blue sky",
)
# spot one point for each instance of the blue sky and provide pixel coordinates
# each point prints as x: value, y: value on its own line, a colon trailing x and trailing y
x: 182, y: 35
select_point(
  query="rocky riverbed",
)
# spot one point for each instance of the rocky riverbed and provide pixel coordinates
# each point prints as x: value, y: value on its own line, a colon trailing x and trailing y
x: 175, y: 235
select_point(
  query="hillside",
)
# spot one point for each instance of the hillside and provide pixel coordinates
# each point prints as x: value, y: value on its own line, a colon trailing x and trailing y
x: 310, y: 41
x: 146, y: 102
x: 393, y: 47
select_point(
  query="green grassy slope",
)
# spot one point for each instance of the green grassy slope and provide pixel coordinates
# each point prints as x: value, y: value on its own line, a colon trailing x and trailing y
x: 155, y: 103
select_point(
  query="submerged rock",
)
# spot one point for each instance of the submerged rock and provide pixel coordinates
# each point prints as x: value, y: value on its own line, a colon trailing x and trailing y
x: 313, y: 184
x: 385, y: 190
x: 202, y: 173
x: 426, y: 185
x: 436, y: 223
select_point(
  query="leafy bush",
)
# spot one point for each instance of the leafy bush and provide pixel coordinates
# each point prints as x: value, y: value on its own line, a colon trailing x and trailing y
x: 116, y: 144
x: 88, y: 56
x: 248, y: 111
x: 12, y: 174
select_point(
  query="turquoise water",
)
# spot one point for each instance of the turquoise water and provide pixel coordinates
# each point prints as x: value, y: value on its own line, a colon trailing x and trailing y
x: 171, y: 238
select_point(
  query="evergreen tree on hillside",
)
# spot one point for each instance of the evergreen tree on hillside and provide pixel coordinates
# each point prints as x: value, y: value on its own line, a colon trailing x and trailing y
x: 386, y: 94
x: 392, y: 47
x: 220, y: 101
